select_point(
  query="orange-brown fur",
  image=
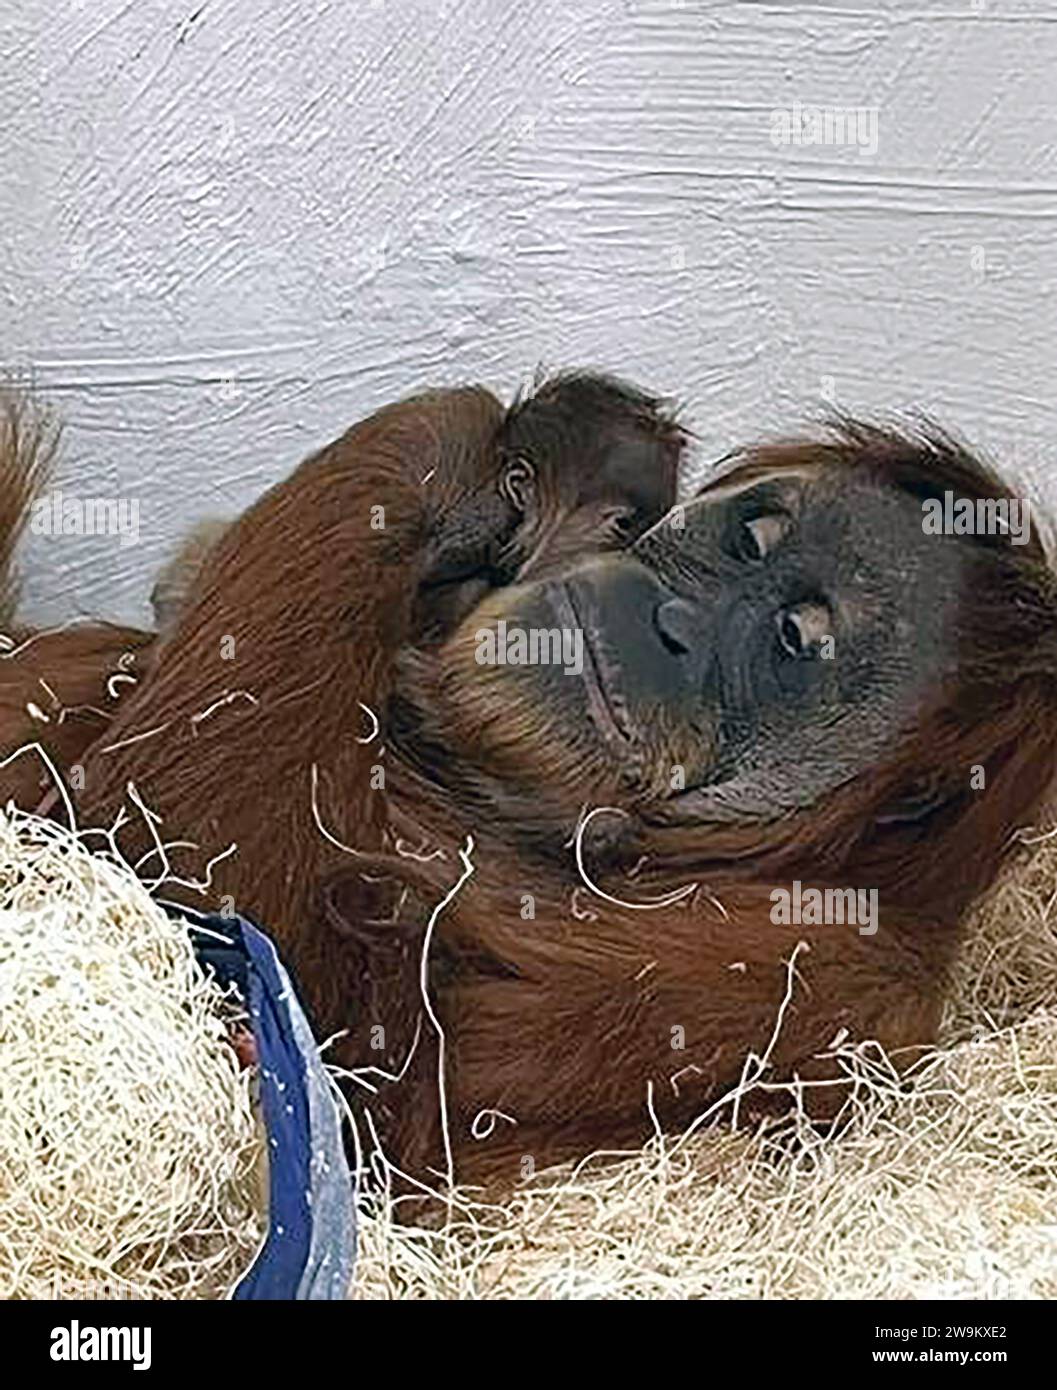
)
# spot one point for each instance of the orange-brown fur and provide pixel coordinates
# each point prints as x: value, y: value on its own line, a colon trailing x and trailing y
x: 561, y: 1022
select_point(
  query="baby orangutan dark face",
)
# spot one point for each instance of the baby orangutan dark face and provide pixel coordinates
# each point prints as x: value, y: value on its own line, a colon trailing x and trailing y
x: 751, y: 651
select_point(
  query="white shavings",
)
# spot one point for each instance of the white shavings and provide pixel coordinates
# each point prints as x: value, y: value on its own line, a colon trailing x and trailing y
x: 127, y: 1140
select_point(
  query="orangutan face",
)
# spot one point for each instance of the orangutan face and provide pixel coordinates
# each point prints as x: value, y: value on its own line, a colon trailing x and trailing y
x: 799, y: 621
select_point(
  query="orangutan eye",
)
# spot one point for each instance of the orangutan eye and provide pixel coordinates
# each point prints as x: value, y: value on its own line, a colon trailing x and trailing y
x: 801, y: 630
x: 620, y: 521
x: 758, y: 537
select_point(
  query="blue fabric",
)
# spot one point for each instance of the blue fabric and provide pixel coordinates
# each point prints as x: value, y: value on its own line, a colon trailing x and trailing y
x: 310, y: 1247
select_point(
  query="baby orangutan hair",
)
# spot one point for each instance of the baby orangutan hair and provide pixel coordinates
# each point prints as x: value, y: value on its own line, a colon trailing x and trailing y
x: 537, y: 902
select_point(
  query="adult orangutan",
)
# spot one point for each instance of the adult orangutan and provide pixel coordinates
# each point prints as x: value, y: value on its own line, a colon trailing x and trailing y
x: 787, y: 679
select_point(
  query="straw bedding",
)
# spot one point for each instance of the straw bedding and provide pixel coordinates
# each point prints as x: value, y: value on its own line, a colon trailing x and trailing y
x: 128, y: 1146
x: 129, y: 1154
x: 944, y: 1190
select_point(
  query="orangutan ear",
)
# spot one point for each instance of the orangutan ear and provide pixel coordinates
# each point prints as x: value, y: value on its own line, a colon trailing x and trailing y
x: 463, y: 559
x: 517, y: 483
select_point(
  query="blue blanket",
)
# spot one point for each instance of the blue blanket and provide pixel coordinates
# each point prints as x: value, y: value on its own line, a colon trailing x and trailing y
x: 310, y: 1246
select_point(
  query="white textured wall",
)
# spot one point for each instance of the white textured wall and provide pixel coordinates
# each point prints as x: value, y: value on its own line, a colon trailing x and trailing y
x: 328, y: 203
